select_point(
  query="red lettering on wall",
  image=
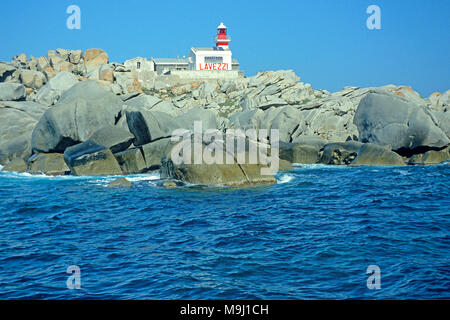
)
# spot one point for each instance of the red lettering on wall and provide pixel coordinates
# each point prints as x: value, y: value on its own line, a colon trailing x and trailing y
x: 213, y: 66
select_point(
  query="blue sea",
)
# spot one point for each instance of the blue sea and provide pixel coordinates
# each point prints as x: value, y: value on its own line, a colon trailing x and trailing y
x: 311, y: 236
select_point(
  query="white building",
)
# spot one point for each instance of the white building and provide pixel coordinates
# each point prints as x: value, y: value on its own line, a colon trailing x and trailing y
x: 218, y: 58
x: 210, y: 59
x: 139, y: 64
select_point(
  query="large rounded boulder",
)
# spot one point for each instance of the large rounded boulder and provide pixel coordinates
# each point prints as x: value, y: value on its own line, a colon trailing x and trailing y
x: 12, y: 92
x: 81, y: 111
x: 387, y: 119
x: 374, y: 155
x: 53, y: 89
x: 91, y: 159
x: 217, y: 173
x: 148, y: 126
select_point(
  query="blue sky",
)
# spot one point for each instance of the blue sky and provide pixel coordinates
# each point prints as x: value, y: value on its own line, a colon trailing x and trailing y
x: 326, y: 42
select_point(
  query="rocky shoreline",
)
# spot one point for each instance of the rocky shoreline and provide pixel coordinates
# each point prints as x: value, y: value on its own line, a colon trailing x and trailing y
x: 74, y: 112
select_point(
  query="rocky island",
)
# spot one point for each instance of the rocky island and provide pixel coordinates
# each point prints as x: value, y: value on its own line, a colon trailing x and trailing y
x: 74, y: 112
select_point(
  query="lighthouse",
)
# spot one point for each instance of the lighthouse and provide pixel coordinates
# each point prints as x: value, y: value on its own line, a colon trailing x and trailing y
x: 222, y: 39
x: 217, y: 58
x: 204, y: 62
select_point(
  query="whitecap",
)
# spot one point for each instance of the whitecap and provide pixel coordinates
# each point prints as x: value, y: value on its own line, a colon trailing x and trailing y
x: 403, y: 172
x: 92, y: 179
x: 105, y: 180
x: 41, y: 176
x: 319, y: 166
x: 285, y: 178
x: 144, y: 177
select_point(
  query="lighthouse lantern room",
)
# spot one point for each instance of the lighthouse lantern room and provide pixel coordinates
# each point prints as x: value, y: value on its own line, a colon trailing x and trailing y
x: 222, y: 40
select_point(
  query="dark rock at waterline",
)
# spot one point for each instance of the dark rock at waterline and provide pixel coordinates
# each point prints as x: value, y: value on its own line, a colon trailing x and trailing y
x: 168, y: 184
x: 387, y: 119
x: 340, y: 153
x: 81, y: 111
x: 431, y: 157
x: 373, y: 155
x: 16, y: 165
x: 284, y: 165
x: 144, y: 158
x: 131, y: 161
x: 299, y: 153
x: 214, y: 174
x: 154, y: 151
x: 48, y: 163
x: 91, y: 159
x: 120, y: 183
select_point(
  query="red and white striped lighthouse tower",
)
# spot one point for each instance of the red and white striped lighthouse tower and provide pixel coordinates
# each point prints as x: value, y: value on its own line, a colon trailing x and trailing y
x: 222, y: 38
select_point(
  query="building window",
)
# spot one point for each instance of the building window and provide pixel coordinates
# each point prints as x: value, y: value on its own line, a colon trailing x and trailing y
x: 138, y: 65
x: 213, y: 59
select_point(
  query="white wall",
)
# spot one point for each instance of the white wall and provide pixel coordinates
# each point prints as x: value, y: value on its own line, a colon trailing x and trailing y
x: 204, y: 74
x: 146, y: 65
x: 199, y: 62
x: 145, y: 74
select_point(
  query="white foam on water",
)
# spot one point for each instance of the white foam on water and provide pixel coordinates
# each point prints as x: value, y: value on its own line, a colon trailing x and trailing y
x: 105, y: 180
x: 94, y: 179
x: 102, y: 181
x: 26, y: 175
x: 285, y: 178
x: 144, y: 177
x: 1, y: 167
x: 318, y: 166
x: 403, y: 172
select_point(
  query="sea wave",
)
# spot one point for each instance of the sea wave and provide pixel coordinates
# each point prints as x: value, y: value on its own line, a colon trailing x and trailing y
x: 284, y: 240
x: 319, y: 166
x: 285, y: 178
x: 403, y: 172
x: 136, y: 178
x: 144, y: 177
x: 133, y: 178
x: 41, y: 176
